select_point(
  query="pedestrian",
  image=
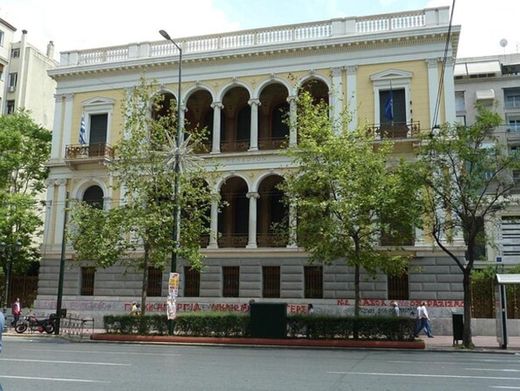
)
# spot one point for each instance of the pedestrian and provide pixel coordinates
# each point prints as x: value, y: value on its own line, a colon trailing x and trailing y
x: 134, y: 310
x: 310, y: 309
x: 395, y: 308
x: 16, y: 310
x: 423, y: 321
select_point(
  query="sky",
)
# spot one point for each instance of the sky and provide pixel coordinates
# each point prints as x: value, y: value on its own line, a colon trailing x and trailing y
x: 73, y: 24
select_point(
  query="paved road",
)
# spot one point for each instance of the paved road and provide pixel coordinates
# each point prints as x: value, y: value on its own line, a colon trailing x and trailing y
x: 54, y: 364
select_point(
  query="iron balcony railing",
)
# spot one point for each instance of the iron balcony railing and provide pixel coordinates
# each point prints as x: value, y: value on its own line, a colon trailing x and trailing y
x: 395, y: 131
x: 89, y: 152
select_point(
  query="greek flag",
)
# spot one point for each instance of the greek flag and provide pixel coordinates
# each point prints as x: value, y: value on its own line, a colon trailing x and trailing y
x: 82, y: 131
x: 389, y: 107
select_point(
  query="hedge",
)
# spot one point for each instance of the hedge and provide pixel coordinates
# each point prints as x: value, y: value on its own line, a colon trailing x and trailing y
x: 227, y: 324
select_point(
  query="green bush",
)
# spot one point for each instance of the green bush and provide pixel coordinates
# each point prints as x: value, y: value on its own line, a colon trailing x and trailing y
x: 227, y: 324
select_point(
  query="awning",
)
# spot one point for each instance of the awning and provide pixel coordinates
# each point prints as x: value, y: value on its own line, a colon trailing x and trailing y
x: 485, y: 94
x: 477, y: 68
x: 508, y: 278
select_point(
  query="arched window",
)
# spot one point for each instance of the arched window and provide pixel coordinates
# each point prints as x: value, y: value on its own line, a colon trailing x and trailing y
x: 244, y: 123
x: 279, y: 127
x: 93, y: 196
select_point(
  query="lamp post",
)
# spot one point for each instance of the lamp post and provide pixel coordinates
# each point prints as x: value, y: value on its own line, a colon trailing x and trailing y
x: 176, y: 187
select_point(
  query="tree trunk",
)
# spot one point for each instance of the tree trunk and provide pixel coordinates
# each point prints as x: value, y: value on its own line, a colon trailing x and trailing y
x: 467, y: 339
x: 144, y: 287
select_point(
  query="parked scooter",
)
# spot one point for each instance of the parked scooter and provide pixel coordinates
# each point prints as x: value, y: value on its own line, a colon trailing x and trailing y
x: 34, y: 324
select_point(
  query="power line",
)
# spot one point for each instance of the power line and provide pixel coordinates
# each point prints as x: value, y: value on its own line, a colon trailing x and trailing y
x: 443, y: 67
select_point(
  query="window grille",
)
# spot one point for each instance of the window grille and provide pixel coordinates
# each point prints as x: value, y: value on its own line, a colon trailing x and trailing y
x: 271, y: 281
x: 231, y: 281
x: 154, y: 287
x: 191, y: 282
x: 87, y: 281
x: 313, y: 276
x: 398, y: 287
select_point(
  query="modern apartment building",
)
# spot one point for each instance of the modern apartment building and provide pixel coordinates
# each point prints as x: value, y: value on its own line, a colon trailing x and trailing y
x: 494, y: 81
x: 24, y: 82
x: 237, y: 84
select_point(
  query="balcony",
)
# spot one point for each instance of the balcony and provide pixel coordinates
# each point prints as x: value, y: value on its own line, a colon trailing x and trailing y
x: 232, y: 240
x: 272, y: 143
x: 395, y: 131
x: 79, y: 154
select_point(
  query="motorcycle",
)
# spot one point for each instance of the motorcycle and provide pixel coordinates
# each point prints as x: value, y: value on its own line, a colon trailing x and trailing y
x: 35, y: 324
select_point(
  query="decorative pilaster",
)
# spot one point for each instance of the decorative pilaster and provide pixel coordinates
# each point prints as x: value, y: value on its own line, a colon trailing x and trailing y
x: 57, y: 130
x: 254, y: 103
x: 60, y: 210
x: 253, y: 196
x: 213, y: 235
x: 48, y: 211
x: 449, y: 91
x: 433, y: 85
x: 336, y: 98
x: 351, y: 96
x: 292, y: 99
x: 217, y: 112
x: 67, y: 123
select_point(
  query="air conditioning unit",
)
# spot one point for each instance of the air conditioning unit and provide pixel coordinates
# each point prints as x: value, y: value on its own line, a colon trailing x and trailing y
x: 11, y: 88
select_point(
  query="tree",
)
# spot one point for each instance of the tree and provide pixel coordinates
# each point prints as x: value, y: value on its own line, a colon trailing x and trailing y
x: 467, y: 174
x: 347, y: 192
x: 143, y: 222
x: 24, y: 148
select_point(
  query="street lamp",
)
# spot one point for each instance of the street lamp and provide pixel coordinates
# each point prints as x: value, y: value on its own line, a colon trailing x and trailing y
x: 177, y: 208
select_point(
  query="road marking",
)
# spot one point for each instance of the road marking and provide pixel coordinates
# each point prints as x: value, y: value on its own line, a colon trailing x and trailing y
x: 506, y: 387
x: 108, y: 352
x: 455, y: 362
x: 493, y: 370
x: 66, y: 362
x: 423, y: 375
x: 58, y: 379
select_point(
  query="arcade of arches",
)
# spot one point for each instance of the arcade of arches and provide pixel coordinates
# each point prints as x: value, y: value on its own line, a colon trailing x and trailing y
x: 240, y: 122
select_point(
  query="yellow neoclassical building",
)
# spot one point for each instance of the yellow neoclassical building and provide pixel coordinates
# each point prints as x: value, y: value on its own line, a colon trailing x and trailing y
x: 238, y: 85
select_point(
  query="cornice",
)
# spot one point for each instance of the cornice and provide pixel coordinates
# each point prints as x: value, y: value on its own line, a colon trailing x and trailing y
x: 399, y: 38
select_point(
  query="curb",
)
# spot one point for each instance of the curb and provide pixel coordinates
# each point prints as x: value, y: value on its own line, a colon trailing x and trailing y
x: 300, y: 343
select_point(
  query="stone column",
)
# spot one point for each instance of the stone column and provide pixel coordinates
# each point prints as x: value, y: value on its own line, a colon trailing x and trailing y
x: 292, y: 226
x: 352, y: 95
x: 254, y: 103
x: 213, y: 235
x: 182, y: 119
x: 217, y: 109
x: 253, y: 196
x: 60, y: 210
x: 57, y: 130
x: 292, y: 99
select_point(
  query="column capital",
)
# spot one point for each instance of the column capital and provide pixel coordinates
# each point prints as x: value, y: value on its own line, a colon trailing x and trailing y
x: 432, y: 62
x: 336, y: 71
x: 351, y: 69
x: 68, y: 96
x: 60, y: 182
x: 217, y: 105
x: 254, y: 101
x: 292, y: 98
x: 253, y: 194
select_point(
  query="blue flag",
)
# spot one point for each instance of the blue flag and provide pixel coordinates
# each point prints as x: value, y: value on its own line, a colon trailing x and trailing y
x: 82, y: 131
x: 389, y: 107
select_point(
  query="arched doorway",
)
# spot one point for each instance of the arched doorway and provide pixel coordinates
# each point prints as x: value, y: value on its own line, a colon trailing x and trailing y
x: 199, y: 119
x: 317, y: 89
x: 164, y: 116
x: 93, y: 197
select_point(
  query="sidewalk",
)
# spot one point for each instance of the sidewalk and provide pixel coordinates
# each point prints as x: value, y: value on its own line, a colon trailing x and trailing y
x: 482, y: 343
